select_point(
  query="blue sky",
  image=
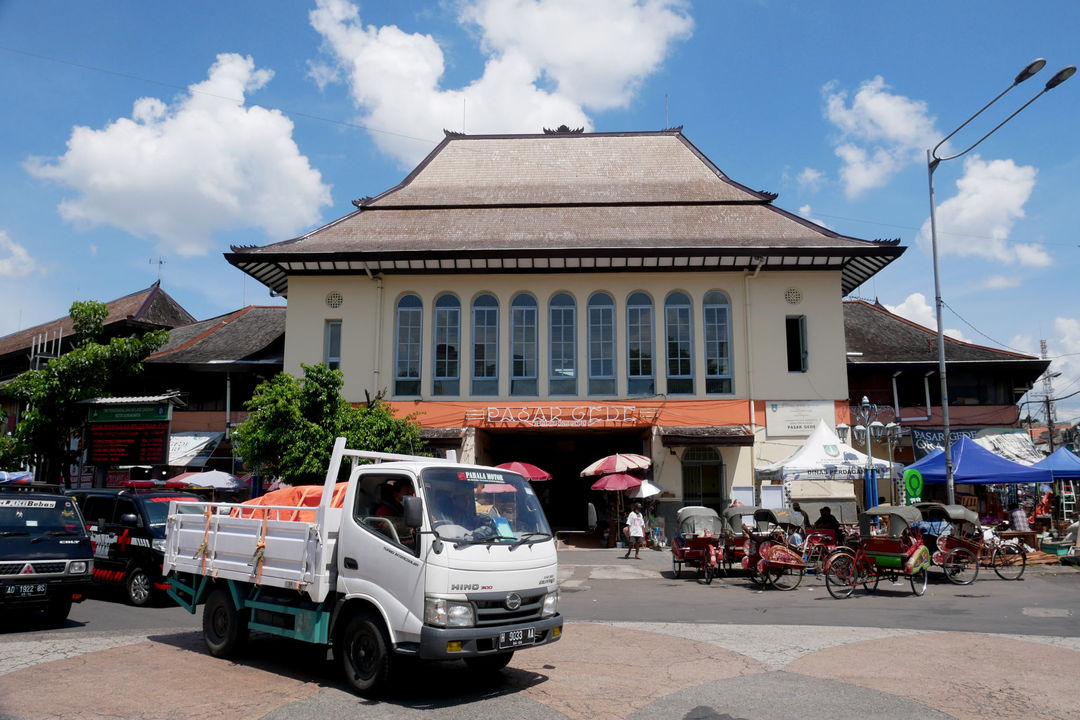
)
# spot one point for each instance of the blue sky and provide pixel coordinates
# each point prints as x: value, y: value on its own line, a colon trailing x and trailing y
x: 139, y: 131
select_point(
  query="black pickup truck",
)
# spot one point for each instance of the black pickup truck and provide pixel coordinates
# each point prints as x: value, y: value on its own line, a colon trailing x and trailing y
x: 45, y: 556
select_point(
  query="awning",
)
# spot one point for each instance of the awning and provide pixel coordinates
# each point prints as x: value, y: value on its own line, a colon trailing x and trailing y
x: 712, y: 435
x: 192, y: 449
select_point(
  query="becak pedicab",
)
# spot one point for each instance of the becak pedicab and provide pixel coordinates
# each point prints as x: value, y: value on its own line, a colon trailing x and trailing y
x: 733, y: 518
x: 699, y: 542
x: 954, y: 536
x: 899, y: 552
x: 770, y: 553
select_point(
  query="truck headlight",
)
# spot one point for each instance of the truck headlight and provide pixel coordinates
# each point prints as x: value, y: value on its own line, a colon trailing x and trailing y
x: 79, y: 567
x: 448, y: 613
x: 158, y: 544
x: 551, y: 604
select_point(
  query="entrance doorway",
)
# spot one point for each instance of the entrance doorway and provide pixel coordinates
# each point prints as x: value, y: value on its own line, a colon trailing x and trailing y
x: 703, y: 478
x: 564, y: 454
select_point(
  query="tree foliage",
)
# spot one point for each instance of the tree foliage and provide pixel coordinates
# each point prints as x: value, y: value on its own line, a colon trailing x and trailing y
x: 52, y: 394
x: 293, y: 423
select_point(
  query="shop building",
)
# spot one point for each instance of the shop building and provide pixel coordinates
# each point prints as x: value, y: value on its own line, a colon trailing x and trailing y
x: 555, y: 298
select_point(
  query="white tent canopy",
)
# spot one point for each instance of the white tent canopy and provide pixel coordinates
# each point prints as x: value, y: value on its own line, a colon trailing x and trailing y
x: 822, y: 459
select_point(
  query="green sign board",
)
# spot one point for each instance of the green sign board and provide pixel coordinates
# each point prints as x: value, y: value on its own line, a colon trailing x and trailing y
x: 913, y: 486
x: 130, y: 413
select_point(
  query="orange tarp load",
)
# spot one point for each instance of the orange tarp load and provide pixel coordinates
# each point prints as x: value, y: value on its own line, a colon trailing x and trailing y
x: 294, y: 498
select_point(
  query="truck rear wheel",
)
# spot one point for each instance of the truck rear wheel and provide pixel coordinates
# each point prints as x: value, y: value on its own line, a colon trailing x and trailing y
x: 489, y: 663
x: 363, y: 650
x: 225, y: 629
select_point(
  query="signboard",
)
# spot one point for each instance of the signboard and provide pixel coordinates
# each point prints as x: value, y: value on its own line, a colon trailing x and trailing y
x: 127, y: 443
x: 797, y: 418
x: 129, y: 413
x: 557, y: 416
x: 913, y: 486
x: 1011, y: 443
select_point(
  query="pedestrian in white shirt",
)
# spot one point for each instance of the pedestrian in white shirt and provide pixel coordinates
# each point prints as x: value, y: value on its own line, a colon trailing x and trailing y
x: 635, y: 531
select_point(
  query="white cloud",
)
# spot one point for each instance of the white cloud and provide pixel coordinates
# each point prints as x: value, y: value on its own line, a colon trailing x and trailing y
x: 810, y: 179
x: 880, y: 133
x: 182, y: 172
x: 916, y: 309
x: 978, y: 220
x: 576, y: 49
x: 15, y: 261
x: 808, y: 213
x: 1001, y: 282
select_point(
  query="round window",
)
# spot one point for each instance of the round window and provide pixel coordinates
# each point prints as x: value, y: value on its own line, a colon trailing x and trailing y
x: 334, y: 299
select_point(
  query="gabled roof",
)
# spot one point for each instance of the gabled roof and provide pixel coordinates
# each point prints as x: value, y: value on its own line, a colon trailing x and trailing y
x: 875, y: 335
x: 566, y: 202
x: 151, y: 308
x: 245, y: 335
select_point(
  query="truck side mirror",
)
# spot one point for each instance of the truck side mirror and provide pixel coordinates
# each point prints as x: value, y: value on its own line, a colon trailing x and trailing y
x: 129, y: 520
x: 414, y: 511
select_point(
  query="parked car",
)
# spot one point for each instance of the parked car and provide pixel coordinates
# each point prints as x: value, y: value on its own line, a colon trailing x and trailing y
x: 127, y: 529
x: 45, y: 555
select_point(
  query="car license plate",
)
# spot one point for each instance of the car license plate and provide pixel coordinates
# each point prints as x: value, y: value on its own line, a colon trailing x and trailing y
x: 516, y: 638
x: 24, y: 590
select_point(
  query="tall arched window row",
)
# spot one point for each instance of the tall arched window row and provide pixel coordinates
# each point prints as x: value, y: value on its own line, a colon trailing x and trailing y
x: 408, y: 345
x: 523, y: 345
x: 601, y: 329
x: 485, y: 344
x: 678, y: 328
x: 716, y: 314
x: 446, y: 378
x: 562, y: 330
x: 641, y: 376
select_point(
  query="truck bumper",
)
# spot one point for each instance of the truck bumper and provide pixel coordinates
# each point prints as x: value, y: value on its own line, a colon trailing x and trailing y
x: 434, y: 641
x: 55, y: 589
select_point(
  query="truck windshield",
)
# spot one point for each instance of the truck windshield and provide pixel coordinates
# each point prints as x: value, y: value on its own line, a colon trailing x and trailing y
x: 483, y: 506
x: 39, y: 516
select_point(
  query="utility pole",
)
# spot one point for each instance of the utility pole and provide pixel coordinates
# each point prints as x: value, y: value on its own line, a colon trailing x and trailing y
x: 1048, y: 390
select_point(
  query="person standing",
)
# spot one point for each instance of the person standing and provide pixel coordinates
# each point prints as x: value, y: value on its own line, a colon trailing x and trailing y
x: 635, y: 531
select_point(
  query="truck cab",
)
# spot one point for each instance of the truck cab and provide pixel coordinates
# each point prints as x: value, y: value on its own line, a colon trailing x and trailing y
x: 45, y: 556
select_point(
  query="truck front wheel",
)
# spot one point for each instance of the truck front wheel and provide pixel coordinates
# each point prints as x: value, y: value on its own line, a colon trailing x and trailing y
x: 362, y: 651
x: 57, y: 610
x: 224, y: 628
x: 489, y: 663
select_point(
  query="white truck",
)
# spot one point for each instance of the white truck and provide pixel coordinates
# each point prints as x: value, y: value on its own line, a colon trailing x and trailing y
x: 468, y: 571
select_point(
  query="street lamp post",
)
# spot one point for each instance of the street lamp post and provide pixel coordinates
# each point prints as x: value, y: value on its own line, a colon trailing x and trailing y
x: 893, y: 433
x: 866, y: 412
x: 932, y: 161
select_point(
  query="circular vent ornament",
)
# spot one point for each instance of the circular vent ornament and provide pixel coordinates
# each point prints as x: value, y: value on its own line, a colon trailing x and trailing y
x: 334, y: 299
x: 793, y: 296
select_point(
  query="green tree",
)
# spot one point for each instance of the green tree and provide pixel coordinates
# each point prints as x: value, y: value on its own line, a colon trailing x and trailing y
x: 52, y: 394
x: 293, y: 423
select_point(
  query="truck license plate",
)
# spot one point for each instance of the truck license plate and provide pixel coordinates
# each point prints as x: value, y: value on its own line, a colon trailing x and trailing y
x: 515, y: 638
x: 24, y: 590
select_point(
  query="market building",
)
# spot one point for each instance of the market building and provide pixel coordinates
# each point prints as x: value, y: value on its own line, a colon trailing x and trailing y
x: 554, y: 298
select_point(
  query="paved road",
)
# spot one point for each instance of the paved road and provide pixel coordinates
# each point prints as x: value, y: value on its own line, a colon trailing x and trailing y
x: 638, y: 644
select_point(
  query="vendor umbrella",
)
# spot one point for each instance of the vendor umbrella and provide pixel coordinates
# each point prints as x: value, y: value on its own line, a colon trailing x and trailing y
x: 216, y: 479
x: 617, y: 463
x: 527, y: 471
x: 646, y: 490
x: 616, y: 481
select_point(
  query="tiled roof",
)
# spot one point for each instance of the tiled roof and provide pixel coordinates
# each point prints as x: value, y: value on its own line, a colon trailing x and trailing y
x: 232, y: 337
x: 153, y: 307
x: 480, y: 202
x: 875, y: 335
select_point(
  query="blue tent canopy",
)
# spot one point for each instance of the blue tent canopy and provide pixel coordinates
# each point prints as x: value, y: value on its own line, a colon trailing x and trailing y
x: 1062, y: 463
x: 975, y: 465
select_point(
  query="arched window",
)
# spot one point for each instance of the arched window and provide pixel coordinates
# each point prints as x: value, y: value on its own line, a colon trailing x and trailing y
x: 601, y: 344
x: 523, y: 345
x: 641, y: 378
x: 562, y: 327
x: 680, y: 344
x: 408, y: 345
x: 485, y: 344
x: 716, y: 314
x: 446, y: 378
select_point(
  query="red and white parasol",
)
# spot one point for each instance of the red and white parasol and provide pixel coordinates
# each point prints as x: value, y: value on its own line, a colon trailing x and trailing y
x: 616, y: 481
x: 617, y: 463
x: 525, y: 470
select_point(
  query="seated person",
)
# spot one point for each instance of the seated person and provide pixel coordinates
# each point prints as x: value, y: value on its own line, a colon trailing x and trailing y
x: 1017, y: 519
x: 393, y: 504
x: 827, y: 521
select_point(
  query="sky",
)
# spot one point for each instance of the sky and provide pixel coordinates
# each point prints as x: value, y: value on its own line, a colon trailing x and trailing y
x: 141, y: 139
